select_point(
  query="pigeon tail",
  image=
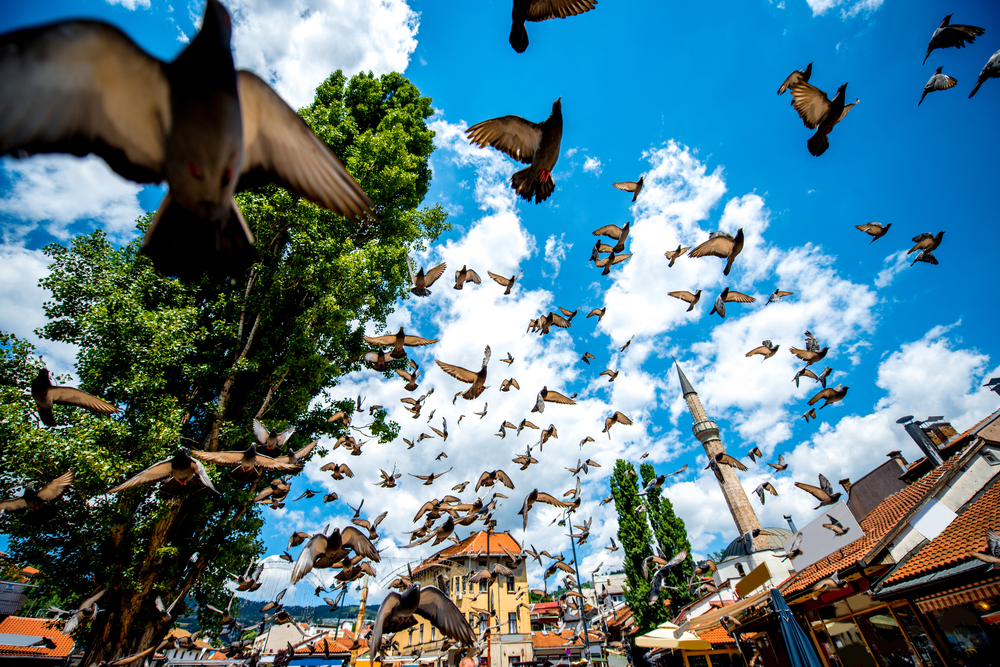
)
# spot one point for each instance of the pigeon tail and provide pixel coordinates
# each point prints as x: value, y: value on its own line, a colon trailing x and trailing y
x: 976, y: 88
x: 926, y: 57
x: 518, y: 36
x: 182, y: 244
x: 527, y: 184
x: 818, y: 143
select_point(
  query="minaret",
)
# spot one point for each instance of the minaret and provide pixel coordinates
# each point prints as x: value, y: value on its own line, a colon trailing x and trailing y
x: 707, y: 431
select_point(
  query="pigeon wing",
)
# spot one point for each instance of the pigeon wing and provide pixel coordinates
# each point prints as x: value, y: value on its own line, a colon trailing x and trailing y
x: 810, y: 102
x: 513, y: 135
x: 314, y: 548
x: 719, y: 246
x: 55, y: 488
x: 80, y: 399
x: 550, y: 500
x: 457, y: 372
x: 556, y: 397
x: 430, y: 278
x: 444, y: 615
x: 627, y: 186
x: 816, y: 491
x: 504, y: 479
x: 728, y: 460
x: 385, y: 610
x: 381, y: 341
x: 84, y: 87
x: 683, y: 295
x: 763, y: 349
x: 739, y: 297
x: 614, y: 231
x: 541, y: 10
x: 360, y: 543
x: 770, y: 489
x: 500, y: 279
x: 153, y: 473
x: 260, y: 432
x: 821, y: 394
x: 279, y: 147
x: 622, y: 419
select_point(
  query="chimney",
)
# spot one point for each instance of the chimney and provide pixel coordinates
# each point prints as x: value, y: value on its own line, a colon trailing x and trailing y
x: 791, y: 524
x: 846, y: 483
x: 919, y: 436
x: 898, y: 456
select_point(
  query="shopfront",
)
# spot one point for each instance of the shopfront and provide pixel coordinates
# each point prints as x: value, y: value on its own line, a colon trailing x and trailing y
x: 967, y: 620
x: 860, y: 632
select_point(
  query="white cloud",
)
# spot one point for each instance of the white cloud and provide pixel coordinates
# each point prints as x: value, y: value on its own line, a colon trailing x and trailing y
x: 894, y: 264
x: 593, y: 165
x: 295, y: 45
x: 555, y: 253
x: 55, y: 191
x: 849, y: 8
x: 130, y: 4
x: 21, y: 304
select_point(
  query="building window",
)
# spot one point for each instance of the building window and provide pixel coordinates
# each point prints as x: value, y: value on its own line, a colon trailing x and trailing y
x: 512, y: 623
x: 421, y: 634
x: 463, y: 585
x: 482, y: 585
x: 510, y: 584
x: 433, y: 633
x: 457, y: 589
x: 739, y: 568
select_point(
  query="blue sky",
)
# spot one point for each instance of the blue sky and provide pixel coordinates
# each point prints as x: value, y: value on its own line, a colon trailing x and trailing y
x: 681, y: 92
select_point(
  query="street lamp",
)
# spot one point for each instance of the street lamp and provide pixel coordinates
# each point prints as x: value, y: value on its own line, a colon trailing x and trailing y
x: 576, y: 567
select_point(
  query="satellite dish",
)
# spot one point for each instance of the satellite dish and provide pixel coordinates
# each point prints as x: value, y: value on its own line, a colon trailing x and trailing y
x: 903, y: 420
x: 934, y: 419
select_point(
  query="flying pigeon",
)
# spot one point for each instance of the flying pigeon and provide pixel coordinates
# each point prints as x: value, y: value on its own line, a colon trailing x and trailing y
x: 819, y: 112
x: 947, y: 35
x: 541, y: 10
x: 721, y: 244
x: 991, y: 70
x: 938, y: 81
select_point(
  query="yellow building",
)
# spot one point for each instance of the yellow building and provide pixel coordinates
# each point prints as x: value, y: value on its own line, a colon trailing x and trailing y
x: 504, y: 600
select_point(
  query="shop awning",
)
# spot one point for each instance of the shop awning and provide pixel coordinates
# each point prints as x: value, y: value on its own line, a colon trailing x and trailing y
x: 957, y: 596
x: 712, y: 617
x: 665, y: 636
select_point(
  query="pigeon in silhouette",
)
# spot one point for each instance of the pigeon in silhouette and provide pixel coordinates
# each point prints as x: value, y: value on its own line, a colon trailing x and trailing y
x: 634, y: 187
x: 32, y: 498
x: 535, y: 144
x: 937, y: 82
x: 397, y: 611
x: 721, y: 244
x: 672, y: 255
x: 541, y: 10
x: 947, y: 35
x: 729, y: 296
x: 819, y: 113
x: 47, y: 394
x: 684, y: 295
x: 506, y: 282
x: 830, y: 394
x: 476, y: 379
x: 620, y: 234
x: 186, y: 474
x: 991, y: 70
x: 874, y: 229
x: 84, y: 87
x: 798, y: 76
x: 924, y: 256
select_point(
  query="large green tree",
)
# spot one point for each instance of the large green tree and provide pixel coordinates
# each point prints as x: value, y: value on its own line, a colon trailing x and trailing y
x: 671, y: 537
x: 635, y: 538
x: 194, y: 363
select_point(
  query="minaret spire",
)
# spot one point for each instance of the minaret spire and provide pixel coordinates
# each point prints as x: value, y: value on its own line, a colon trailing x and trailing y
x: 707, y: 432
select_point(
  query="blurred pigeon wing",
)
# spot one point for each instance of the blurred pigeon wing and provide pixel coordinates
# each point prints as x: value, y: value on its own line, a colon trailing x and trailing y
x: 431, y: 277
x: 720, y: 246
x: 55, y: 488
x: 72, y: 396
x: 541, y: 10
x: 153, y: 473
x: 84, y: 87
x: 278, y: 146
x: 457, y: 372
x: 810, y: 102
x: 444, y: 615
x: 739, y: 297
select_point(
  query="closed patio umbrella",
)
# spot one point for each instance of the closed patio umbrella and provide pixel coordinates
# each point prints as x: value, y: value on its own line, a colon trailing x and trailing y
x: 800, y: 650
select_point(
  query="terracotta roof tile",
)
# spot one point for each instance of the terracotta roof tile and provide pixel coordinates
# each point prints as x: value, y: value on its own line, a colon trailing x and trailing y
x: 875, y: 526
x: 35, y: 627
x: 716, y: 635
x: 965, y: 534
x: 472, y: 545
x: 343, y: 642
x: 553, y: 639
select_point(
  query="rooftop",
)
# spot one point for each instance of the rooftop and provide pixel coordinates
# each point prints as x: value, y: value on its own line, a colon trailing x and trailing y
x: 964, y: 535
x: 34, y: 629
x: 474, y: 545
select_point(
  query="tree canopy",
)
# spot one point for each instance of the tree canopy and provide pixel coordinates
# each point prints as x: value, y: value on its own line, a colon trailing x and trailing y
x: 671, y: 537
x: 192, y: 364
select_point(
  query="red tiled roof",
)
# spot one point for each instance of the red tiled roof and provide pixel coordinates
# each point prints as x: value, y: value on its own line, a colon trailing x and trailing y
x: 716, y: 635
x: 554, y: 639
x: 35, y: 627
x: 875, y: 526
x: 967, y: 533
x: 343, y: 642
x: 620, y: 617
x: 474, y: 544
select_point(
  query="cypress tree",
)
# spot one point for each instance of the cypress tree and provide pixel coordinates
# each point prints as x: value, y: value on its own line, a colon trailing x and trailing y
x: 671, y: 536
x: 635, y: 538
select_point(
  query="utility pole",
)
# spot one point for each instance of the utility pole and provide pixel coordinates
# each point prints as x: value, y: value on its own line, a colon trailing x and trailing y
x: 489, y: 603
x: 357, y: 628
x: 576, y: 567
